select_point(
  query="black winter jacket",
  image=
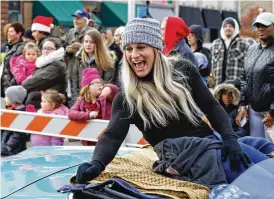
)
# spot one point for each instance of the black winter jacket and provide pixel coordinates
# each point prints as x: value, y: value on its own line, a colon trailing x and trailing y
x: 257, y: 80
x: 7, y: 79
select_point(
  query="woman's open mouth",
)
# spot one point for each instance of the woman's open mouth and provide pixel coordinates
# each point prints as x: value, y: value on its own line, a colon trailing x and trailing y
x: 140, y: 65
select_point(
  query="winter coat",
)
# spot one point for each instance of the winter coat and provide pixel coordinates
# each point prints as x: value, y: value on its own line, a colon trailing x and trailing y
x: 198, y: 32
x: 71, y: 37
x: 21, y: 68
x: 232, y: 110
x: 7, y: 79
x: 14, y: 142
x: 79, y: 112
x: 50, y: 74
x: 43, y: 140
x: 228, y: 62
x: 258, y: 78
x: 80, y: 65
x: 184, y: 50
x: 201, y: 167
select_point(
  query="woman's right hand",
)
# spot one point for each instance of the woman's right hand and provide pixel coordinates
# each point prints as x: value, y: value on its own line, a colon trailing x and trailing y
x: 240, y: 116
x: 87, y: 172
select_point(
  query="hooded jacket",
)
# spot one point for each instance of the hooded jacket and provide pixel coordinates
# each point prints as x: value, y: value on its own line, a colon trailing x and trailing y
x: 232, y: 109
x: 175, y: 33
x: 228, y: 60
x: 197, y: 31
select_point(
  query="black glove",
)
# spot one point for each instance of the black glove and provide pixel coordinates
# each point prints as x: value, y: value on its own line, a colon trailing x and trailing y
x: 233, y: 150
x: 86, y: 172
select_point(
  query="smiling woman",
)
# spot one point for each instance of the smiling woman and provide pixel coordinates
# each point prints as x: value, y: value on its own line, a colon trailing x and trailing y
x: 141, y: 58
x: 161, y: 95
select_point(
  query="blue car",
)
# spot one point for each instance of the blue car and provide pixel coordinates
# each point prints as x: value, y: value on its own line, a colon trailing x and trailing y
x: 38, y: 172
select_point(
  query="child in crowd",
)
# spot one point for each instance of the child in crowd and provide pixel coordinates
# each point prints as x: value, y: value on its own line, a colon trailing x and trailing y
x: 14, y: 142
x: 90, y: 105
x: 228, y: 94
x: 23, y: 66
x: 51, y: 103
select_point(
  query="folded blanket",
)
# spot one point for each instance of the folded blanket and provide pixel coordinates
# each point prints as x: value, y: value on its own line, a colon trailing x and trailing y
x: 136, y: 169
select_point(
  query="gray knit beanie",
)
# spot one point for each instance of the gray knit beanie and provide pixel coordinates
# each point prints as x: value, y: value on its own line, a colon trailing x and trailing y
x: 16, y: 94
x: 145, y: 31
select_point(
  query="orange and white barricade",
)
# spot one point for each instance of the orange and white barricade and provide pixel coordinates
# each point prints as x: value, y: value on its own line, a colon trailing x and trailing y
x: 61, y: 126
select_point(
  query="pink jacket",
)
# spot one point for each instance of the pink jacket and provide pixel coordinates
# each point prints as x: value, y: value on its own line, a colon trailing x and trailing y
x: 21, y: 68
x: 78, y: 110
x: 43, y: 140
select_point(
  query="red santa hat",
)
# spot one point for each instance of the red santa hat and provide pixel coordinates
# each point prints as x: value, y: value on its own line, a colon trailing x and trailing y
x: 41, y: 23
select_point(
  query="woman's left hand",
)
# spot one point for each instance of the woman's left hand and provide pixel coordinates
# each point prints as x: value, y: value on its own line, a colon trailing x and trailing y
x: 105, y: 92
x: 233, y: 150
x: 268, y: 120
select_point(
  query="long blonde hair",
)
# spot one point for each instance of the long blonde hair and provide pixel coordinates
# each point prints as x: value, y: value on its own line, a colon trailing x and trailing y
x: 85, y: 94
x: 103, y: 58
x: 163, y: 97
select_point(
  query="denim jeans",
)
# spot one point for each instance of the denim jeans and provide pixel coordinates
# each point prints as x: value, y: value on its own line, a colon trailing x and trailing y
x: 257, y: 128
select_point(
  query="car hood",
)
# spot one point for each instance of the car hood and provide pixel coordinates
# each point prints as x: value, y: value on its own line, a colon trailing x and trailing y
x: 39, y: 171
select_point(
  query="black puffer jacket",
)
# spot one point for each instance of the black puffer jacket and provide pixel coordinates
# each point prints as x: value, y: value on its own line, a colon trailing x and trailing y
x: 258, y: 78
x: 7, y: 79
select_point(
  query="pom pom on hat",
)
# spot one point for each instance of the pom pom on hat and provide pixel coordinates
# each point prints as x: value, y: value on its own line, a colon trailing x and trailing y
x: 88, y: 75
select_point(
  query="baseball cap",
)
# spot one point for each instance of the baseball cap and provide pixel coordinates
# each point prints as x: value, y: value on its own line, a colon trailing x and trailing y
x: 80, y: 13
x: 265, y: 18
